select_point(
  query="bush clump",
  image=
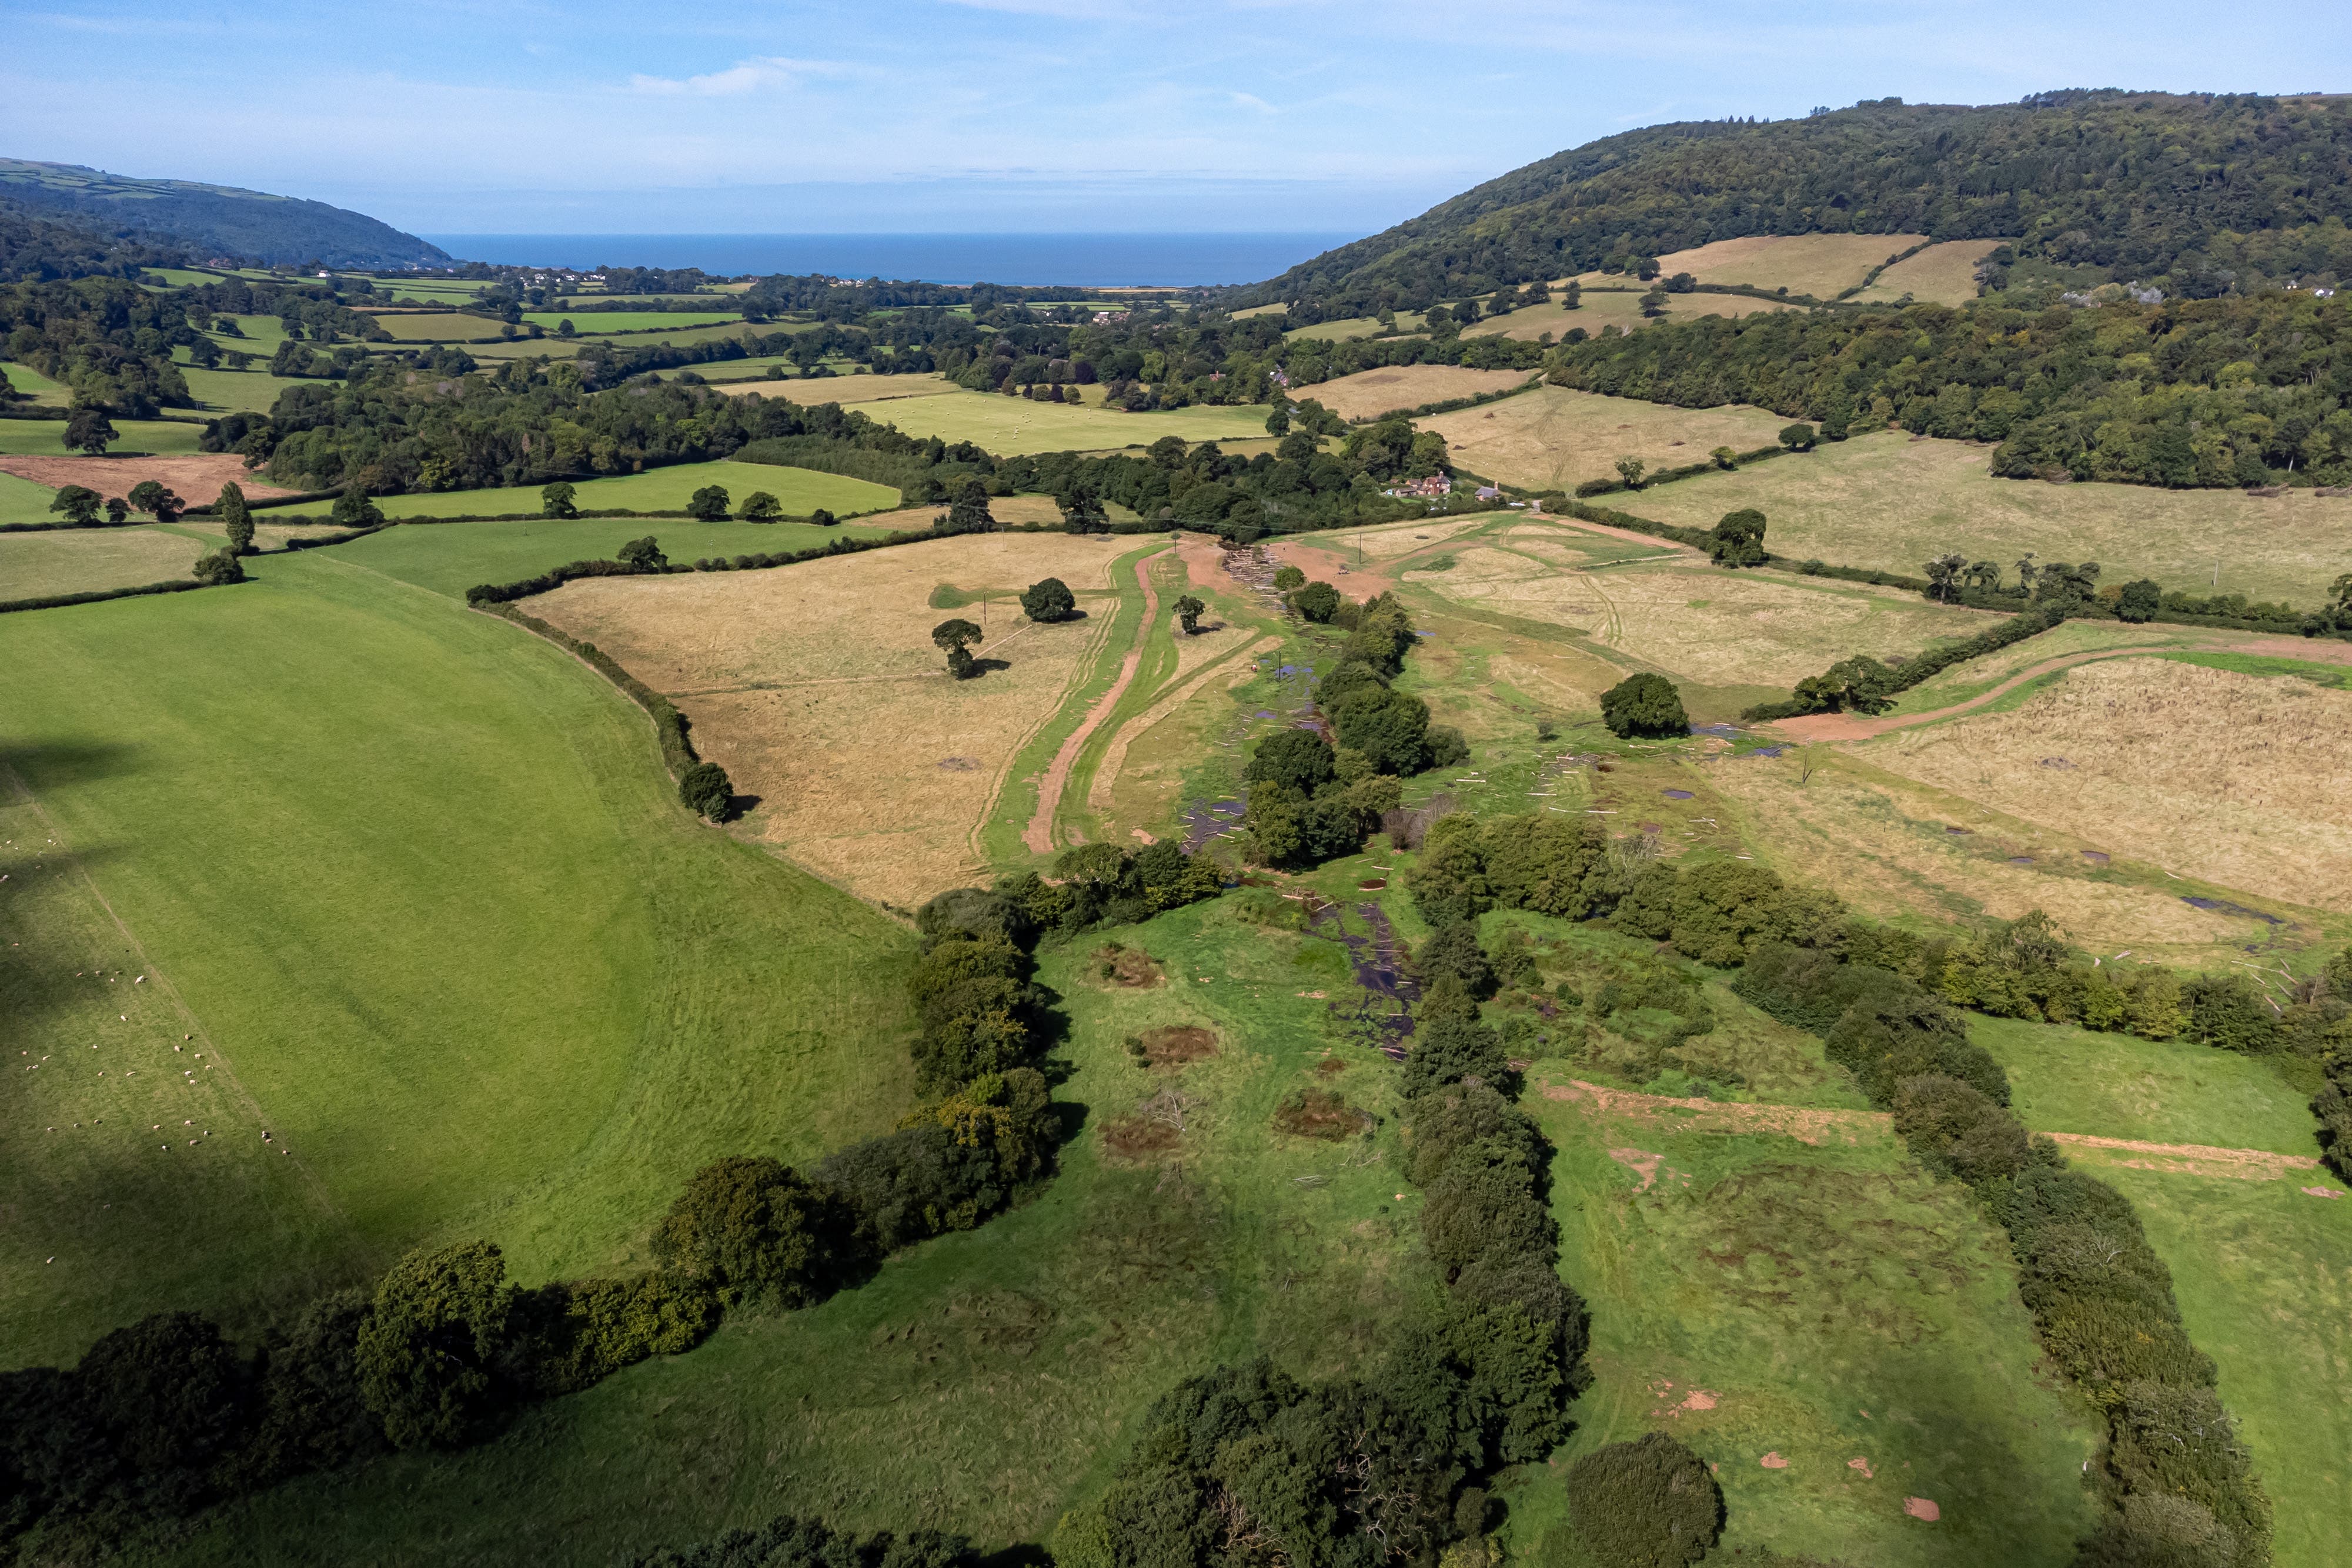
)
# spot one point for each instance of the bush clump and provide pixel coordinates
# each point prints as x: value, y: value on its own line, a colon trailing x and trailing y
x: 1650, y: 1504
x: 1644, y: 705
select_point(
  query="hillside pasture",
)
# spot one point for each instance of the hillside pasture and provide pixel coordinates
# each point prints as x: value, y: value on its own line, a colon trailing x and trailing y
x: 88, y: 560
x: 590, y: 323
x: 1698, y: 623
x: 1787, y: 1308
x: 2234, y: 779
x: 812, y: 391
x: 1943, y: 274
x: 22, y: 501
x: 195, y: 478
x: 29, y: 382
x: 1821, y: 265
x: 437, y: 326
x: 1368, y: 394
x: 521, y: 995
x: 817, y: 687
x: 1613, y: 307
x: 1015, y: 426
x: 1887, y: 502
x: 46, y: 437
x: 668, y: 489
x: 253, y: 391
x: 1557, y: 438
x: 450, y: 558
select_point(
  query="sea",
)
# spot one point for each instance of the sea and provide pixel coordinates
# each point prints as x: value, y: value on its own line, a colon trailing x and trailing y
x: 1030, y: 260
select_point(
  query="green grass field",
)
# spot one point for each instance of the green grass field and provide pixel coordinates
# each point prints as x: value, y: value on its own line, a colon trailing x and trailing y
x: 1011, y: 426
x: 1888, y: 502
x: 588, y: 323
x: 46, y: 437
x: 1822, y: 1304
x: 22, y: 501
x: 451, y: 558
x: 253, y: 391
x: 984, y: 1382
x: 2070, y: 1080
x: 799, y: 490
x: 85, y: 560
x: 467, y: 959
x: 29, y: 381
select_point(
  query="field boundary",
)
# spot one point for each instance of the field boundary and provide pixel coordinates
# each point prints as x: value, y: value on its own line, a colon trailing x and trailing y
x: 1039, y: 835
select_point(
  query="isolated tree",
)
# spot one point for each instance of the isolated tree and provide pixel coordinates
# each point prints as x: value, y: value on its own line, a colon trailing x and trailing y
x: 1646, y: 1504
x: 1644, y: 705
x: 2139, y: 601
x: 1943, y: 576
x: 710, y: 504
x: 564, y: 329
x: 1739, y: 538
x: 355, y: 510
x: 823, y: 518
x: 558, y: 499
x: 643, y: 554
x: 1630, y: 469
x: 218, y: 567
x: 237, y: 518
x: 1859, y: 685
x: 967, y: 511
x: 88, y: 430
x: 1797, y: 438
x: 1189, y: 611
x: 705, y: 790
x: 1318, y: 601
x: 955, y: 638
x: 78, y: 503
x: 1287, y: 578
x: 760, y: 507
x: 1049, y: 600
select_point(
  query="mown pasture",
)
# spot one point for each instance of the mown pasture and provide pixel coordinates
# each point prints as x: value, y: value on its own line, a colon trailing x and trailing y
x: 87, y: 560
x: 590, y: 323
x: 468, y: 960
x: 799, y: 491
x: 1823, y: 265
x: 1406, y: 387
x: 1618, y: 305
x: 1557, y: 438
x: 46, y: 437
x: 1943, y: 274
x: 450, y: 558
x: 1888, y: 502
x: 29, y: 382
x: 1012, y: 426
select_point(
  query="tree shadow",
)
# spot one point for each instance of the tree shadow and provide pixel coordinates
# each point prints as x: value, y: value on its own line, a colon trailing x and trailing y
x: 44, y: 763
x: 739, y: 806
x: 982, y: 666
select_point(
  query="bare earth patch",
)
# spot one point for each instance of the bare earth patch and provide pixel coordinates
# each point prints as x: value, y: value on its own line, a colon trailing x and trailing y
x: 197, y: 478
x: 1172, y: 1045
x: 1370, y: 393
x: 817, y: 688
x: 2237, y: 778
x: 1130, y: 967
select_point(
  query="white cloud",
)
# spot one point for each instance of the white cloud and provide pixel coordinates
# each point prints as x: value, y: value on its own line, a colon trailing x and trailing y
x: 763, y: 73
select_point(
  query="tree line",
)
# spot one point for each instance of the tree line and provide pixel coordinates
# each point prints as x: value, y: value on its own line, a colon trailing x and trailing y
x: 2239, y: 392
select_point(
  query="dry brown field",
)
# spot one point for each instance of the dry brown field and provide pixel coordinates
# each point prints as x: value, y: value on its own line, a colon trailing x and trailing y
x: 843, y: 389
x: 1942, y: 274
x: 90, y: 561
x: 195, y: 478
x: 1613, y: 307
x: 817, y: 688
x: 1716, y: 627
x: 1554, y: 437
x: 1888, y: 502
x: 2239, y: 779
x: 1820, y: 265
x: 1370, y: 393
x: 1003, y: 508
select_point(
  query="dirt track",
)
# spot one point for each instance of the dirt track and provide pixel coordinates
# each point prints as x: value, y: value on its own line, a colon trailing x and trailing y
x: 1830, y: 726
x: 197, y: 478
x: 1039, y: 835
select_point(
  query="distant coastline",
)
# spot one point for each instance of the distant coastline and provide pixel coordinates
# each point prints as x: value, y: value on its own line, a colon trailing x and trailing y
x: 1090, y: 260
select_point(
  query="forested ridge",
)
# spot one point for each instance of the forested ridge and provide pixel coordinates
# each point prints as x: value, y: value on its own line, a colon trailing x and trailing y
x: 2188, y: 192
x: 215, y: 219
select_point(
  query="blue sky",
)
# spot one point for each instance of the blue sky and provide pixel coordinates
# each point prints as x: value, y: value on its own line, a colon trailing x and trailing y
x: 1068, y: 115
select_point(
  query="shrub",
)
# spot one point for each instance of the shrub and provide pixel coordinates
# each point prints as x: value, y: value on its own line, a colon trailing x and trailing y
x: 1299, y: 760
x: 355, y: 510
x: 752, y: 1230
x: 1797, y: 438
x: 705, y: 790
x: 1739, y: 538
x: 427, y: 1353
x: 1645, y: 1504
x: 788, y: 1542
x: 760, y: 507
x: 645, y: 554
x: 972, y: 1001
x: 559, y: 500
x: 1317, y: 601
x: 1049, y: 600
x: 1454, y: 951
x: 1287, y: 579
x: 218, y: 567
x: 1450, y: 1050
x: 1389, y: 728
x: 1644, y: 705
x: 309, y: 1412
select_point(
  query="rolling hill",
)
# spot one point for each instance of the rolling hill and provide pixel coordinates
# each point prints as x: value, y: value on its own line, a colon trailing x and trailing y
x: 2193, y: 190
x: 211, y: 220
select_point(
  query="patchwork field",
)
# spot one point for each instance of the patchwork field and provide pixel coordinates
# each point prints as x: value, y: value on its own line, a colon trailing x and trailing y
x: 1557, y: 438
x: 2234, y: 779
x: 1011, y: 426
x: 195, y: 478
x: 86, y: 561
x: 253, y: 391
x: 1887, y: 502
x: 589, y: 323
x: 31, y: 383
x: 46, y: 437
x: 818, y: 689
x: 813, y: 391
x: 434, y: 326
x: 1822, y: 266
x: 521, y: 996
x: 799, y: 490
x: 1943, y: 274
x: 450, y: 558
x: 1612, y: 307
x: 1370, y: 393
